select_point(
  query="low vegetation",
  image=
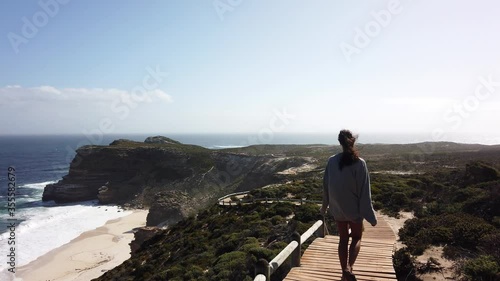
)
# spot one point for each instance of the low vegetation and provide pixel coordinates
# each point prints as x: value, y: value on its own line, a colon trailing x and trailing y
x: 455, y: 202
x: 458, y: 212
x: 220, y: 243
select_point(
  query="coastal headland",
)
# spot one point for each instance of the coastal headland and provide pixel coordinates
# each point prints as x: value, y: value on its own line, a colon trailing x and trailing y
x: 195, y: 238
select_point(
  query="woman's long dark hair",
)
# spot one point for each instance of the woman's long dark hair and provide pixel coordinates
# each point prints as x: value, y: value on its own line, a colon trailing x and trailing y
x: 350, y: 154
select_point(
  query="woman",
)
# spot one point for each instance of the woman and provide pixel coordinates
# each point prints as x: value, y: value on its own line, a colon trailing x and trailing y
x: 347, y: 195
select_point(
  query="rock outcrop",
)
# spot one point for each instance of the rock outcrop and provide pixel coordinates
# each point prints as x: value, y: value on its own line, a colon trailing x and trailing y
x: 174, y: 179
x: 123, y: 168
x: 170, y: 207
x: 141, y: 235
x: 161, y: 139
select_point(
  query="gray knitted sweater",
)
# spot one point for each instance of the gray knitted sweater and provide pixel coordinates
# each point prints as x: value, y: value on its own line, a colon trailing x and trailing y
x: 347, y: 191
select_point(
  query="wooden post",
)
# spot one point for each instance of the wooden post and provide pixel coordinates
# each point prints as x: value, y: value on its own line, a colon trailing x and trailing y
x: 296, y: 255
x: 321, y: 230
x: 262, y: 267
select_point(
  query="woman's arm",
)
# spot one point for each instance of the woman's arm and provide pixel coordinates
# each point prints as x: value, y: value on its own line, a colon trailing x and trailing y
x: 365, y: 200
x: 326, y: 194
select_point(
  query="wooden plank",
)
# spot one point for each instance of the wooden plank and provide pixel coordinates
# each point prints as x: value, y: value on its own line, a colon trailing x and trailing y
x: 302, y: 274
x: 364, y: 272
x: 365, y: 251
x: 298, y: 274
x: 374, y: 262
x: 358, y: 260
x: 364, y: 267
x: 356, y: 272
x: 336, y: 258
x: 329, y: 246
x: 334, y: 247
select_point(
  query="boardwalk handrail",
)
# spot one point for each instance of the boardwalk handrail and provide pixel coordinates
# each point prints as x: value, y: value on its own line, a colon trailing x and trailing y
x: 260, y: 277
x: 253, y: 200
x: 311, y: 231
x: 232, y: 194
x: 282, y: 256
x: 263, y: 269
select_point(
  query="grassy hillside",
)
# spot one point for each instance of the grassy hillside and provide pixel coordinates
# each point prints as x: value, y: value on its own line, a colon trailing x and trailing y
x: 220, y: 243
x: 460, y: 212
x: 454, y: 193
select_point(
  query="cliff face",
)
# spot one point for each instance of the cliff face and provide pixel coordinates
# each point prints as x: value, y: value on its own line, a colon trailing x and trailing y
x: 172, y: 178
x: 169, y: 207
x: 121, y: 168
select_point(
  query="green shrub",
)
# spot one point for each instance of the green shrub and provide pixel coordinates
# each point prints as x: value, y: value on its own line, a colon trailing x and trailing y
x: 302, y: 227
x: 496, y: 221
x: 283, y: 209
x: 260, y: 231
x: 174, y: 271
x: 262, y: 253
x: 490, y: 245
x: 481, y: 268
x: 251, y: 240
x: 469, y: 231
x: 193, y: 272
x: 415, y: 183
x: 231, y: 266
x: 484, y: 203
x: 416, y: 246
x: 277, y: 220
x: 378, y: 205
x: 458, y: 229
x: 399, y: 200
x: 480, y: 172
x: 254, y: 216
x: 404, y: 265
x: 307, y: 213
x: 411, y: 227
x: 441, y: 235
x: 278, y: 245
x: 227, y: 243
x: 452, y: 253
x: 247, y: 248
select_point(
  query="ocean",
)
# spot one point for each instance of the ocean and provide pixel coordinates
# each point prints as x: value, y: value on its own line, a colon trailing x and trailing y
x: 40, y: 160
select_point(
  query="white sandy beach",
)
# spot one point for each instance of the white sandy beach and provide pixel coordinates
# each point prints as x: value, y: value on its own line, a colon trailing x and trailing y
x: 88, y: 256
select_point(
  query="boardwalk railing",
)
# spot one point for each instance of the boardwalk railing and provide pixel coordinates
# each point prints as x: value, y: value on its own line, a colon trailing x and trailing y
x: 264, y: 269
x: 222, y: 200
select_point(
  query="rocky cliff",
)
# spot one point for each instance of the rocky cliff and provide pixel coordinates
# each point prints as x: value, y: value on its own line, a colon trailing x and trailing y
x: 174, y: 179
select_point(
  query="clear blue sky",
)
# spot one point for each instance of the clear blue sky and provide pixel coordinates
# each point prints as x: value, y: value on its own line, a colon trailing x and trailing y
x: 233, y: 64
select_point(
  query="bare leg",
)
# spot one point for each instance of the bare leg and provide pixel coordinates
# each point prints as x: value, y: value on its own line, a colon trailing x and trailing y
x: 343, y: 228
x: 356, y: 233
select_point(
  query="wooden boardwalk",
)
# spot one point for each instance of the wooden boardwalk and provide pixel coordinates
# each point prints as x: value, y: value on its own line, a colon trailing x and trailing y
x: 320, y: 260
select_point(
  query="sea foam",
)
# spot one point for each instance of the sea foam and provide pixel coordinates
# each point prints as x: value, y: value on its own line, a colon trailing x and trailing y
x: 46, y: 226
